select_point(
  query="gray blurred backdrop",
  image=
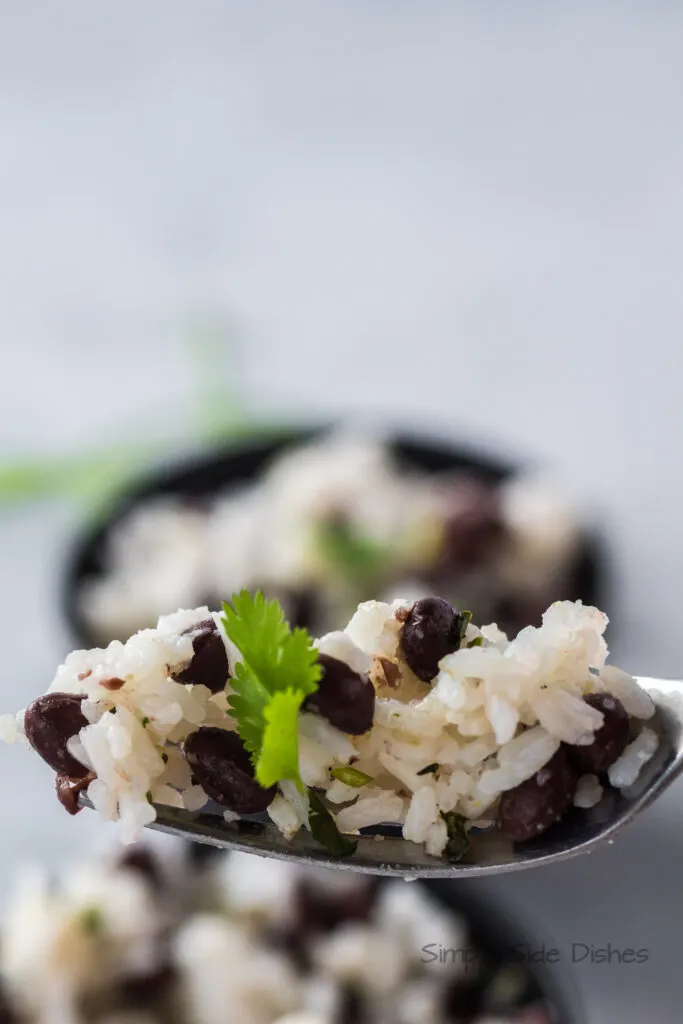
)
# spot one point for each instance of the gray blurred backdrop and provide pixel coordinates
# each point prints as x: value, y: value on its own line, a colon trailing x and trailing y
x: 465, y: 214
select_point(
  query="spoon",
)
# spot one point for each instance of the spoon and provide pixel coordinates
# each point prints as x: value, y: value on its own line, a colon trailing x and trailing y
x: 385, y: 852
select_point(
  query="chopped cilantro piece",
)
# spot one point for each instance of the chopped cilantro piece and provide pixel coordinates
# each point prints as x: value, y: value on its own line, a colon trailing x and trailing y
x: 458, y: 841
x: 324, y: 829
x: 353, y: 555
x: 351, y: 776
x: 92, y: 920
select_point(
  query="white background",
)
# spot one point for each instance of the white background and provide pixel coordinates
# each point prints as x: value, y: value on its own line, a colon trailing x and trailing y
x: 471, y: 214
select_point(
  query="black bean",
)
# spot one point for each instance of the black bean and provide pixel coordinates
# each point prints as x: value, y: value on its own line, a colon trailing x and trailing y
x: 319, y: 911
x: 209, y: 664
x: 8, y: 1014
x: 463, y: 998
x: 474, y: 525
x: 353, y: 1006
x: 609, y: 740
x: 301, y: 607
x: 513, y: 612
x: 146, y: 989
x: 289, y: 940
x: 143, y: 862
x: 201, y: 854
x: 223, y: 769
x: 530, y: 808
x: 432, y: 629
x: 344, y: 697
x: 50, y: 721
x: 68, y: 790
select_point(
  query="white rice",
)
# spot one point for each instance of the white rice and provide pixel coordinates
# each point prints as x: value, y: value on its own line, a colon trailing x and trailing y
x: 371, y: 808
x: 9, y: 729
x: 532, y: 749
x: 422, y: 813
x: 493, y: 716
x: 588, y: 792
x: 284, y: 815
x: 637, y: 702
x: 169, y: 553
x: 401, y: 911
x: 627, y: 768
x: 74, y: 943
x: 357, y: 954
x: 341, y: 646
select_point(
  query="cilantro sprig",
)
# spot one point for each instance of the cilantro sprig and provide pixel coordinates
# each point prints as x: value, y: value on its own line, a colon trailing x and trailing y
x: 278, y: 671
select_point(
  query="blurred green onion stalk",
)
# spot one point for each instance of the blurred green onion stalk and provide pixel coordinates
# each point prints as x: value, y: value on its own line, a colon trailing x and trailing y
x: 94, y: 476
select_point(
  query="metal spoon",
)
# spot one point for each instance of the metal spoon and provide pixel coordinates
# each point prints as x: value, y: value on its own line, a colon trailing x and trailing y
x: 389, y: 854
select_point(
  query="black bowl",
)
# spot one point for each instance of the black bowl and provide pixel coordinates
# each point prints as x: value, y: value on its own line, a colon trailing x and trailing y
x: 503, y: 941
x: 498, y: 940
x: 204, y: 475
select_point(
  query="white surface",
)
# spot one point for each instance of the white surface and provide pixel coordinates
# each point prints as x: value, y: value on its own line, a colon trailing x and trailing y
x: 471, y: 212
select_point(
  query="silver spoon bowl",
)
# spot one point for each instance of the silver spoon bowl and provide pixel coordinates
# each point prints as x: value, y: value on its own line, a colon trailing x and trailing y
x: 385, y: 852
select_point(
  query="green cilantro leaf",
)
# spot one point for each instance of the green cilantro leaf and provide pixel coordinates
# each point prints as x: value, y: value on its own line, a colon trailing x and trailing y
x: 324, y: 829
x: 299, y: 667
x: 247, y: 704
x: 258, y: 628
x: 279, y: 757
x: 278, y: 671
x: 477, y: 642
